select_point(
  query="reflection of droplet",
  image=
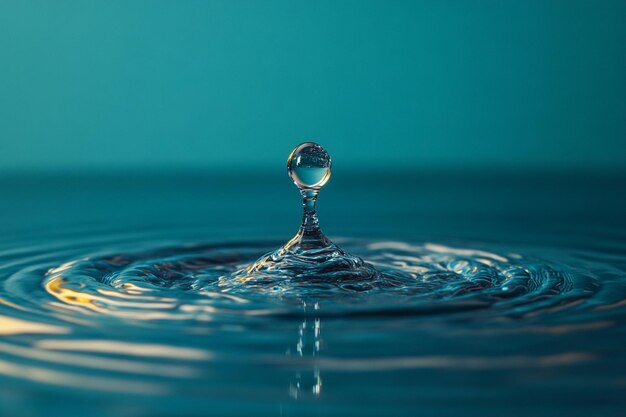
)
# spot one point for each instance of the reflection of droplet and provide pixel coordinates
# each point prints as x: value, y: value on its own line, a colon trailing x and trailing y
x: 309, y: 166
x: 308, y: 345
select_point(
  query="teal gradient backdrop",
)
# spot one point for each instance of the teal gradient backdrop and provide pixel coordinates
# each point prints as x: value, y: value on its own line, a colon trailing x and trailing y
x: 198, y: 84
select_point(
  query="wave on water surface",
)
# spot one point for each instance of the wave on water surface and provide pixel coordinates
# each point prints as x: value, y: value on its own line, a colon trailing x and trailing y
x: 152, y: 318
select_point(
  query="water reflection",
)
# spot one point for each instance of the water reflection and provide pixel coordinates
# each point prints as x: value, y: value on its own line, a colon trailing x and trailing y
x: 307, y: 382
x: 14, y: 326
x: 131, y: 349
x: 157, y: 323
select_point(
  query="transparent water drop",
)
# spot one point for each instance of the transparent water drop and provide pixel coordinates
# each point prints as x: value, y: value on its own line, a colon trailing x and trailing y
x: 309, y: 166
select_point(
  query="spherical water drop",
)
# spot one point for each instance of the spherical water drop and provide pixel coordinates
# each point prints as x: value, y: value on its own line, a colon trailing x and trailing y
x: 309, y: 166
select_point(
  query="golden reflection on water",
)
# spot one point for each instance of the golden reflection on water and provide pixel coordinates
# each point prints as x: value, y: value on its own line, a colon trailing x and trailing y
x: 55, y: 286
x: 80, y: 381
x: 126, y: 348
x: 13, y: 326
x: 121, y: 305
x: 101, y: 363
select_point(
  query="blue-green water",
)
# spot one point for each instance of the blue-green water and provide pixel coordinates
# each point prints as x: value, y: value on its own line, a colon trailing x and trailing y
x: 501, y: 294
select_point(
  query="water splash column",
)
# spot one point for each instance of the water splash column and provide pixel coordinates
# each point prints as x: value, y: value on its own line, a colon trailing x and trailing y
x: 309, y: 167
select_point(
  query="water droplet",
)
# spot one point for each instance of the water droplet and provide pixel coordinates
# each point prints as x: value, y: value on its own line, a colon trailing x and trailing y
x: 309, y: 166
x: 309, y: 254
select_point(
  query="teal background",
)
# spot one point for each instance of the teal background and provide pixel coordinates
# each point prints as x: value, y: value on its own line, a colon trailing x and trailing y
x: 166, y: 85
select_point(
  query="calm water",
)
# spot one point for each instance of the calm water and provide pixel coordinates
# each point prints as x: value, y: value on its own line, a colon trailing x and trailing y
x: 500, y: 295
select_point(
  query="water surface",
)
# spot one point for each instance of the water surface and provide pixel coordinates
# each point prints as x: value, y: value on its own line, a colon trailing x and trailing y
x: 499, y: 294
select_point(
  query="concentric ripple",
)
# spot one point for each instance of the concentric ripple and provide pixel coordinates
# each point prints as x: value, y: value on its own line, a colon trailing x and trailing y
x: 138, y: 316
x: 191, y: 281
